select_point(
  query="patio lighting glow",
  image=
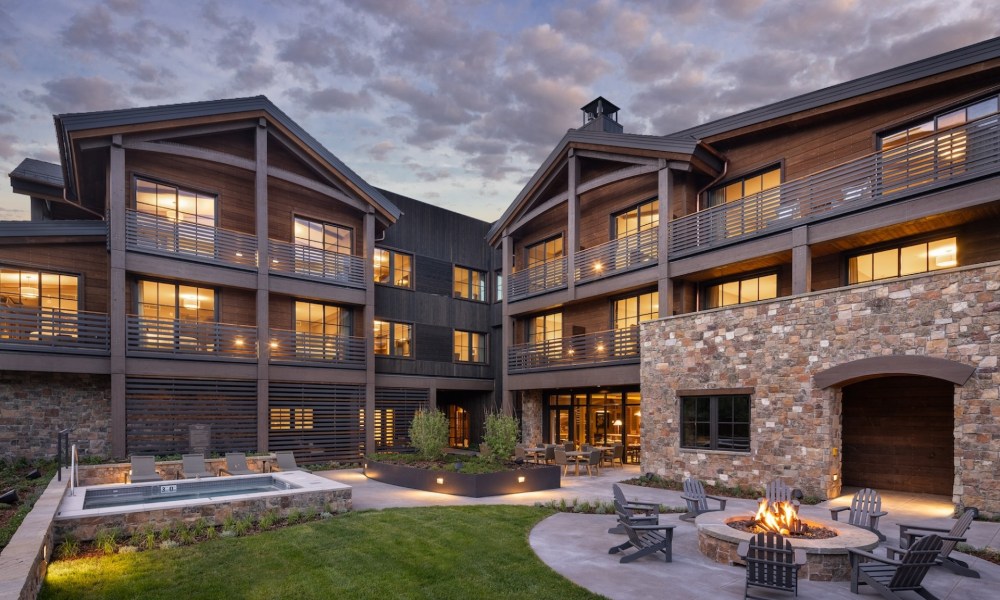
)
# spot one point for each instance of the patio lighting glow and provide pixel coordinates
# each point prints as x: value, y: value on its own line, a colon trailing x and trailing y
x: 273, y: 344
x: 238, y: 253
x: 440, y: 480
x: 238, y: 341
x: 520, y: 479
x: 600, y: 347
x: 598, y: 266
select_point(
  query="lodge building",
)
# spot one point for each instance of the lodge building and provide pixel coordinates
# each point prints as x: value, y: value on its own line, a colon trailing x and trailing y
x: 809, y: 289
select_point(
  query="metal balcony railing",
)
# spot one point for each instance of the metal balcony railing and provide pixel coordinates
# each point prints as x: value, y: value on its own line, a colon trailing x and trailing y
x: 546, y: 277
x: 338, y: 351
x: 316, y: 263
x: 48, y: 330
x: 614, y: 346
x: 146, y: 232
x: 951, y: 156
x: 617, y: 256
x: 172, y: 336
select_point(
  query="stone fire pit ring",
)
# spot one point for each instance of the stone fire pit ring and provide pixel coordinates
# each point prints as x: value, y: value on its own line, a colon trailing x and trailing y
x: 826, y: 559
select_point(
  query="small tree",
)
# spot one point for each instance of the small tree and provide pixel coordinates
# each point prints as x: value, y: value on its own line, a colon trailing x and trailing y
x: 429, y: 433
x: 502, y: 434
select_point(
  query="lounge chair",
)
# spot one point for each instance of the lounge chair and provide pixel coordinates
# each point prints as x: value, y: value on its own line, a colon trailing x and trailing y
x: 633, y: 512
x: 866, y: 510
x: 771, y: 563
x: 697, y: 500
x: 909, y: 533
x: 648, y: 539
x: 236, y: 464
x: 888, y: 576
x: 193, y: 467
x: 778, y: 491
x: 285, y: 462
x: 143, y: 469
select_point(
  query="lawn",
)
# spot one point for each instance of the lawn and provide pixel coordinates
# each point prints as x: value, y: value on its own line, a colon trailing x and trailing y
x: 437, y: 552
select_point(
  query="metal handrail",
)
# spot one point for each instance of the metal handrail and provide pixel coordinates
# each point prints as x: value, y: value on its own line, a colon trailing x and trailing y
x: 617, y: 256
x: 46, y: 329
x: 317, y: 263
x: 298, y: 346
x: 148, y: 232
x: 616, y: 345
x: 174, y: 336
x: 545, y: 277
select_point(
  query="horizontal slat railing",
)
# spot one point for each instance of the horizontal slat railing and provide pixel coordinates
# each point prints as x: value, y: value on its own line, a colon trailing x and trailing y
x: 148, y: 232
x: 44, y: 329
x: 546, y: 277
x: 173, y: 336
x: 316, y: 263
x: 296, y: 346
x: 951, y: 156
x: 617, y: 345
x: 617, y: 256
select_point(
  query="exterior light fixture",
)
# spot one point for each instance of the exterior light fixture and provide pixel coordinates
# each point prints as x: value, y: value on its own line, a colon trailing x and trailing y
x: 274, y: 260
x: 600, y: 347
x: 239, y: 253
x: 238, y: 341
x: 440, y: 480
x: 273, y: 344
x: 598, y: 266
x: 835, y: 478
x: 571, y: 352
x: 520, y: 479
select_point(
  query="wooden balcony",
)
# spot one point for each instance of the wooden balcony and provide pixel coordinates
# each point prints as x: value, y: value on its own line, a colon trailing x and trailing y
x: 47, y: 330
x: 190, y: 338
x: 614, y: 346
x: 151, y: 233
x: 949, y: 157
x: 546, y: 277
x: 317, y: 264
x: 617, y: 256
x: 308, y: 348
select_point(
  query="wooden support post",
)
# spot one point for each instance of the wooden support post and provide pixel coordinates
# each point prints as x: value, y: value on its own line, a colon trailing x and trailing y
x: 573, y: 223
x: 369, y: 327
x: 665, y: 286
x: 801, y: 261
x: 117, y: 309
x: 507, y: 328
x: 263, y: 287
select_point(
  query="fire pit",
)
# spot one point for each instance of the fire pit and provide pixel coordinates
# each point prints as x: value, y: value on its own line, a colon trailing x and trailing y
x: 720, y: 532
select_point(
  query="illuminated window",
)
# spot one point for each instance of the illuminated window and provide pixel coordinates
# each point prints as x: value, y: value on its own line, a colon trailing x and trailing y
x: 319, y: 329
x: 470, y: 346
x: 323, y: 236
x: 543, y: 252
x: 173, y: 314
x: 629, y: 312
x: 739, y: 291
x: 291, y: 418
x: 191, y: 216
x: 458, y: 426
x: 54, y: 296
x: 642, y: 217
x: 393, y: 339
x: 760, y: 194
x: 716, y: 422
x: 545, y: 328
x: 393, y: 268
x: 469, y: 284
x: 747, y: 186
x: 905, y: 260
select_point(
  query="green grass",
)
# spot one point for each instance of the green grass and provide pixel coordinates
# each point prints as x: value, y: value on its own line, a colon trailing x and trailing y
x: 437, y: 552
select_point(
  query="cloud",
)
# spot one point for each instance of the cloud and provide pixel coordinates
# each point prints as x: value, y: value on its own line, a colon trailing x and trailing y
x: 79, y: 94
x: 331, y: 99
x: 237, y: 48
x: 315, y: 46
x: 7, y: 145
x: 381, y: 150
x: 553, y: 55
x: 94, y: 29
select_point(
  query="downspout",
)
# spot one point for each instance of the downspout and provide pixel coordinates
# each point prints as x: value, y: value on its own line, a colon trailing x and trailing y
x: 722, y: 175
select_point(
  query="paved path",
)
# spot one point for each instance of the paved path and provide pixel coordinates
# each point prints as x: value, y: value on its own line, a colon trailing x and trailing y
x: 576, y: 545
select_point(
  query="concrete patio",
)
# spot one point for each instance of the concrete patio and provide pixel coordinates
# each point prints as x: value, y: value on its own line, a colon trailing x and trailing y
x: 576, y: 546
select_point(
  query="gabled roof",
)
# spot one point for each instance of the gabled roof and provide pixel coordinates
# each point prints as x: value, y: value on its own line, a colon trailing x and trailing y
x: 39, y: 171
x: 935, y: 65
x: 68, y: 123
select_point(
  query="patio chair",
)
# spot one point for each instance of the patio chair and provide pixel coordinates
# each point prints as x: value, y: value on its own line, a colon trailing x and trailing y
x: 593, y: 462
x: 778, y: 491
x: 888, y: 576
x: 562, y: 460
x: 647, y: 539
x: 236, y: 464
x: 193, y: 467
x: 569, y: 446
x: 143, y: 469
x: 697, y: 500
x: 618, y: 455
x: 519, y: 453
x: 865, y: 511
x: 285, y: 462
x: 550, y: 454
x: 909, y: 533
x: 771, y: 563
x: 634, y: 512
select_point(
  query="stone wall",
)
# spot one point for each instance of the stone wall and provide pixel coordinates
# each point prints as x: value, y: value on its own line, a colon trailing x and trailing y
x: 531, y: 417
x: 35, y: 406
x: 775, y: 348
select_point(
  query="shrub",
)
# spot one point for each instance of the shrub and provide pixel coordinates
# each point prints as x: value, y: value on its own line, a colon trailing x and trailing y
x: 501, y: 435
x: 293, y: 517
x: 267, y: 520
x: 69, y: 547
x: 429, y: 433
x: 107, y: 540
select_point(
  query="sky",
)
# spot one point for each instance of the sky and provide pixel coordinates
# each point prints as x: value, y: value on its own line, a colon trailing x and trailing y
x: 453, y: 102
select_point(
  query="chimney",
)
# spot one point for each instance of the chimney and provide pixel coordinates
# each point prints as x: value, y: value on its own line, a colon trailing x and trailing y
x: 601, y: 115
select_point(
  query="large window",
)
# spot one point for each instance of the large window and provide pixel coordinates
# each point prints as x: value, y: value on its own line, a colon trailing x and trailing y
x: 393, y: 268
x: 760, y: 194
x: 543, y: 252
x: 751, y: 289
x: 746, y: 186
x: 38, y: 289
x: 642, y: 217
x: 629, y: 312
x: 904, y: 260
x: 318, y: 329
x: 498, y: 277
x: 470, y: 346
x: 458, y: 426
x: 323, y: 236
x: 190, y: 217
x: 716, y: 422
x: 393, y: 339
x: 176, y: 316
x: 469, y: 284
x: 545, y: 328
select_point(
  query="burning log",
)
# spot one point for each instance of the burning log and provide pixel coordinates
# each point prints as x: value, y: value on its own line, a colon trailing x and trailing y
x: 779, y: 517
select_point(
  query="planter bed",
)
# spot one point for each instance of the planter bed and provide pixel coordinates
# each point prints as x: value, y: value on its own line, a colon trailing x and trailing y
x: 476, y: 485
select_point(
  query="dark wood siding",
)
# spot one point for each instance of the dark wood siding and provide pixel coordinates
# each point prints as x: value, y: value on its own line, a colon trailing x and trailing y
x: 86, y: 260
x: 335, y: 431
x: 598, y: 206
x: 286, y: 201
x: 898, y: 434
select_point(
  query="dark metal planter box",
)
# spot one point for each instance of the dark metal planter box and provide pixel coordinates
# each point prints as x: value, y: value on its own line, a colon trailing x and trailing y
x: 465, y: 484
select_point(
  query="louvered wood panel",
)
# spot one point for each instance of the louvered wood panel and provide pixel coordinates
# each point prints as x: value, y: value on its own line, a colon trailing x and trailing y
x: 160, y: 413
x: 394, y: 410
x: 318, y: 422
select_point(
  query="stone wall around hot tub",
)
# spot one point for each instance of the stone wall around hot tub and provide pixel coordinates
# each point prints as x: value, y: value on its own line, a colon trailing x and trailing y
x: 775, y: 348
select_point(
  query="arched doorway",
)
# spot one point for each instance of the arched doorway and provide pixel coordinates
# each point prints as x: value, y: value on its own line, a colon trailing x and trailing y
x: 898, y: 434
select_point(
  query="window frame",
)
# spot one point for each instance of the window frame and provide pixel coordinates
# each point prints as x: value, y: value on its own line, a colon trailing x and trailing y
x: 898, y: 245
x: 779, y: 166
x: 470, y: 287
x: 469, y: 347
x: 542, y: 242
x: 40, y: 272
x: 932, y: 117
x: 713, y: 421
x: 391, y: 340
x: 137, y: 297
x: 636, y: 297
x: 323, y: 223
x: 529, y: 328
x: 615, y: 234
x: 217, y: 197
x: 392, y: 266
x: 347, y: 313
x: 704, y: 294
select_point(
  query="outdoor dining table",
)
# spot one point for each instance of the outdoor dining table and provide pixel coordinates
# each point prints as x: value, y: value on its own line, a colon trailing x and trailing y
x: 536, y: 453
x: 576, y: 456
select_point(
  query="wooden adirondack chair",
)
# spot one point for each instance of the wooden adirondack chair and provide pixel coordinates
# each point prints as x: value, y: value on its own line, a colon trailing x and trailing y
x: 778, y: 491
x: 636, y: 513
x: 866, y: 509
x: 771, y: 563
x: 909, y: 533
x: 646, y: 539
x: 888, y: 577
x: 697, y: 500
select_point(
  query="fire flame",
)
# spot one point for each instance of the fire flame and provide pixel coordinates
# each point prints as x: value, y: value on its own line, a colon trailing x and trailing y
x: 779, y: 517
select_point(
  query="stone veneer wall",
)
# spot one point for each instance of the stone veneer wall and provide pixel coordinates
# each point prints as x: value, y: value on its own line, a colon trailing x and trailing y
x: 775, y: 348
x: 531, y: 417
x: 35, y: 406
